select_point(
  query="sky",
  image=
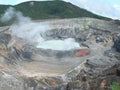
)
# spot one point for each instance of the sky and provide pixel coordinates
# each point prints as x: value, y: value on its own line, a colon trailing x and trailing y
x: 108, y: 8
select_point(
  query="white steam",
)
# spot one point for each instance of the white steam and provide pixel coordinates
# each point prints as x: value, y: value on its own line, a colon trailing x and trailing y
x: 23, y: 27
x: 8, y: 15
x: 29, y: 31
x: 66, y: 44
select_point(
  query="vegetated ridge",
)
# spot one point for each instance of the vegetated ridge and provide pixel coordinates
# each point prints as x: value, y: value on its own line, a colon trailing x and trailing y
x: 50, y: 10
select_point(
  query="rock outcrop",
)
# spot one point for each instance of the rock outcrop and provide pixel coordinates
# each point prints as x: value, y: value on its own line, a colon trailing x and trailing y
x: 117, y: 44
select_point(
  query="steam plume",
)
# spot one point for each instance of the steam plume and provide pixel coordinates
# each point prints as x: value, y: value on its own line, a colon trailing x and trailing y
x: 23, y: 27
x: 8, y: 15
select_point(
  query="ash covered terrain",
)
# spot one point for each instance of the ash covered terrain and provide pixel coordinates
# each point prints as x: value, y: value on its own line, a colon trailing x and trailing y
x: 58, y: 54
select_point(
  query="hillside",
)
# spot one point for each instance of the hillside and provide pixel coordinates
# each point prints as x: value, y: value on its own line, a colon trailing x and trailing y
x: 51, y: 9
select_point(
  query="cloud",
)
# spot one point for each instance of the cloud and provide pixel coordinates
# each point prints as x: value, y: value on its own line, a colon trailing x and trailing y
x: 20, y: 1
x: 100, y: 7
x: 3, y: 2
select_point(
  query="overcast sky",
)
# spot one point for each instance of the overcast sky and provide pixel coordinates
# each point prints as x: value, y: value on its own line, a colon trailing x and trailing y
x: 109, y: 8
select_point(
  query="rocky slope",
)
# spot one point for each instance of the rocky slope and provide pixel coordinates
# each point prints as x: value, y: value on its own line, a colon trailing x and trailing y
x: 25, y: 67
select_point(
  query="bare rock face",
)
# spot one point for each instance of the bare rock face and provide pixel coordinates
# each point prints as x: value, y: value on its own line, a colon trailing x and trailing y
x: 10, y: 83
x: 94, y: 67
x: 117, y: 44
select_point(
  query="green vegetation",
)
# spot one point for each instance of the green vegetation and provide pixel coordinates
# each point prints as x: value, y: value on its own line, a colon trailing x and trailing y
x: 50, y: 9
x: 3, y: 8
x: 115, y: 86
x: 53, y: 9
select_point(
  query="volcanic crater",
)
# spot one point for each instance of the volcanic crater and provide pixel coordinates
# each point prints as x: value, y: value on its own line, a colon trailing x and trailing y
x: 57, y: 49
